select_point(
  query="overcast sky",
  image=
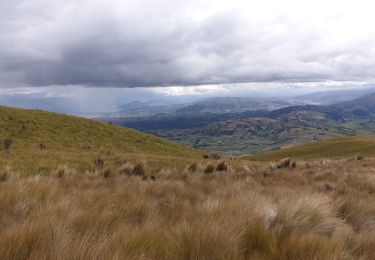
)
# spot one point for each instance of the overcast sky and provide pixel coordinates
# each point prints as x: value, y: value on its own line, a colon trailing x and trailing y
x: 203, y: 45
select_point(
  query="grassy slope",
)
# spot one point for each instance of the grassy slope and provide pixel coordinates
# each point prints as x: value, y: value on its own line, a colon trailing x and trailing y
x: 334, y: 148
x: 78, y: 141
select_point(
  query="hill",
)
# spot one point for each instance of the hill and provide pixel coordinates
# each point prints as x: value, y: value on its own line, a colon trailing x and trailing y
x: 41, y: 140
x: 362, y: 107
x: 333, y: 148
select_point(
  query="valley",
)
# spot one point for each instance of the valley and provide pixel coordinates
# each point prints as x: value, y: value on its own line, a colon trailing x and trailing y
x: 235, y: 133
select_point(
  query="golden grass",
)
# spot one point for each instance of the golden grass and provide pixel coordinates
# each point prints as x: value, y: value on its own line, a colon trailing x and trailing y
x: 333, y: 148
x: 41, y: 141
x: 319, y: 210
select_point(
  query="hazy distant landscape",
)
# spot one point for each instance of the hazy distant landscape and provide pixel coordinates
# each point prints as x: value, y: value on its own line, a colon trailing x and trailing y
x: 238, y: 126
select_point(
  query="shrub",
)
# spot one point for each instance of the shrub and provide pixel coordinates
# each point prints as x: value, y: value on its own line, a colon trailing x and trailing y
x: 222, y: 167
x: 209, y: 169
x: 139, y: 170
x: 7, y: 143
x: 42, y: 146
x: 193, y: 167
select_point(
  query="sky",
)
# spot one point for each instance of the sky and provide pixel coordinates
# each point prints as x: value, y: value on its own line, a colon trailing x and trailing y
x: 93, y: 55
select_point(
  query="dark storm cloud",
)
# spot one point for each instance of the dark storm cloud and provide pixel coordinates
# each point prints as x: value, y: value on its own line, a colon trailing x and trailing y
x: 166, y: 43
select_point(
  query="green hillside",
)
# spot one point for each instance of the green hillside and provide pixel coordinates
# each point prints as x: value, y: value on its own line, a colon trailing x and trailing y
x: 333, y: 148
x: 43, y: 140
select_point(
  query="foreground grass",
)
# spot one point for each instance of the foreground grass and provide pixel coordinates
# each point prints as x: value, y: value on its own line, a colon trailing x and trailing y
x: 318, y: 210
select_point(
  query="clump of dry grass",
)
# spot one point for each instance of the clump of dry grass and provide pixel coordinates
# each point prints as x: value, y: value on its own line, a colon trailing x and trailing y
x: 99, y: 163
x: 107, y: 173
x: 4, y: 176
x: 7, y: 143
x: 284, y: 163
x: 139, y: 170
x: 126, y: 169
x: 62, y: 171
x: 210, y: 168
x: 192, y: 168
x: 222, y: 167
x: 239, y: 215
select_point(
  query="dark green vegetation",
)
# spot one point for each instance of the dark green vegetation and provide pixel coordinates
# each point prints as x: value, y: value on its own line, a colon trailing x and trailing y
x: 40, y: 141
x: 250, y: 132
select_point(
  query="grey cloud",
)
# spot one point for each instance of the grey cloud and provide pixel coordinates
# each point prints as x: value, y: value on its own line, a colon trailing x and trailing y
x: 157, y: 43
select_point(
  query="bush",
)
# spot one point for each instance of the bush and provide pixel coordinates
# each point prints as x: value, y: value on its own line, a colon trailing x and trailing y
x: 209, y: 169
x: 222, y: 167
x: 139, y: 170
x: 7, y: 143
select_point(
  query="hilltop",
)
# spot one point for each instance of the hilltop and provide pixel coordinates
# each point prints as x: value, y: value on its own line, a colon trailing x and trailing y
x: 42, y: 140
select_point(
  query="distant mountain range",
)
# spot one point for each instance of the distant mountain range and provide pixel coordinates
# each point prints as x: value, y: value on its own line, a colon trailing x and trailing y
x: 245, y: 126
x: 220, y: 105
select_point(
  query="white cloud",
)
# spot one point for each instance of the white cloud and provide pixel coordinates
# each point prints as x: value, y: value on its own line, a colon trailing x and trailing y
x: 185, y: 43
x: 189, y: 90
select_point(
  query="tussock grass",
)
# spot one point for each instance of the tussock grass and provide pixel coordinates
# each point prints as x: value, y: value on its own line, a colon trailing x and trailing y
x: 287, y: 214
